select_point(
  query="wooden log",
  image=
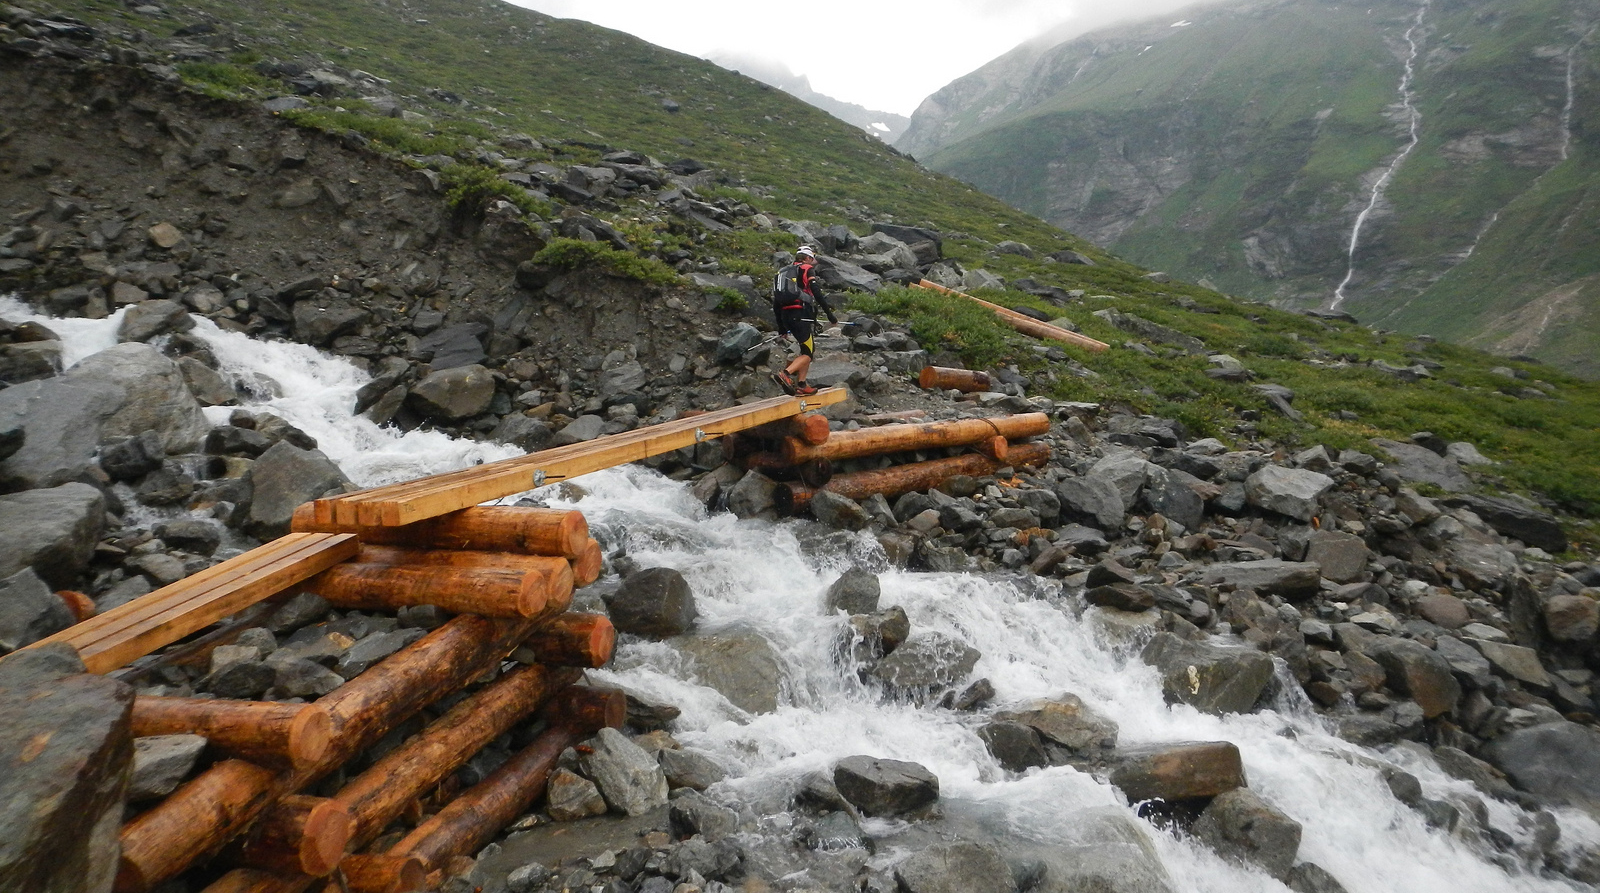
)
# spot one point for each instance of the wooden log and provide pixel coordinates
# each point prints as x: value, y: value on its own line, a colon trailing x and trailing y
x: 812, y: 428
x: 254, y: 880
x: 944, y: 378
x: 377, y: 796
x: 486, y: 528
x: 491, y: 592
x: 793, y: 497
x: 295, y: 735
x: 996, y: 447
x: 197, y: 651
x: 587, y: 566
x: 383, y: 873
x: 473, y: 819
x: 1027, y: 325
x: 587, y: 710
x: 574, y: 640
x: 81, y: 606
x: 300, y: 834
x: 920, y: 436
x: 556, y: 569
x: 197, y: 818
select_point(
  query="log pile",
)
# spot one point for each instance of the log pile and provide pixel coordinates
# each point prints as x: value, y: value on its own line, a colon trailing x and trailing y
x: 806, y: 462
x: 294, y: 800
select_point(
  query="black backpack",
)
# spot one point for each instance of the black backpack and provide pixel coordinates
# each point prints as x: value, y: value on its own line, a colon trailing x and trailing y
x: 786, y: 290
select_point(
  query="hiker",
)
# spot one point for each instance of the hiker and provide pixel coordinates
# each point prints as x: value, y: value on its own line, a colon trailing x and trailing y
x: 796, y: 295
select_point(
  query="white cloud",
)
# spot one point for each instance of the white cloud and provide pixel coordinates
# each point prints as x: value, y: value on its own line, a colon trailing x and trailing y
x: 887, y: 55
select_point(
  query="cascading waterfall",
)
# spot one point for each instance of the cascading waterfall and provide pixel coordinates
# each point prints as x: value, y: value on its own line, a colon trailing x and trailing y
x: 1035, y: 641
x: 1566, y: 110
x: 1414, y: 117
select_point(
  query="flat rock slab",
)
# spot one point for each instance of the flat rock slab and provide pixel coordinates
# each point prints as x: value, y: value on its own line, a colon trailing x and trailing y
x: 964, y: 867
x: 885, y: 787
x: 1178, y: 771
x: 1421, y: 465
x: 1271, y: 576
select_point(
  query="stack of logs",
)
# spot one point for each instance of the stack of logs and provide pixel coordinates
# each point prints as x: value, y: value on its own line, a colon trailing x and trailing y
x: 509, y: 574
x: 800, y: 453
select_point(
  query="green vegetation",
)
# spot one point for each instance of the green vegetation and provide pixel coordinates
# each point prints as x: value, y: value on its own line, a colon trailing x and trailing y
x: 572, y: 254
x: 224, y: 80
x: 468, y: 187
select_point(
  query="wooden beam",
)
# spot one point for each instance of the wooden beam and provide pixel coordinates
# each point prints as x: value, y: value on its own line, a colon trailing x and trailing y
x: 400, y: 504
x: 486, y: 528
x: 1027, y: 325
x: 574, y: 640
x: 172, y: 612
x: 294, y: 735
x: 917, y: 436
x: 793, y: 497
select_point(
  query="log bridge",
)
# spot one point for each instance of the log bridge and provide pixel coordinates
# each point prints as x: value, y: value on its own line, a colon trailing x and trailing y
x: 277, y: 810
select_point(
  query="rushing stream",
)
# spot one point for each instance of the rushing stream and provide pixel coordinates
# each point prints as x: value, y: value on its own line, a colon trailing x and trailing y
x: 1034, y: 639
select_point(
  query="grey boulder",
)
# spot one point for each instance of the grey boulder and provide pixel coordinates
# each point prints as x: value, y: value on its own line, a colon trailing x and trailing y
x: 53, y: 531
x: 628, y: 777
x: 880, y: 787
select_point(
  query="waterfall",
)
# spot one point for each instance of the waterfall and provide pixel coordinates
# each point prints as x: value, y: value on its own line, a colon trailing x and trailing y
x: 1566, y: 110
x: 1414, y: 117
x: 1036, y: 640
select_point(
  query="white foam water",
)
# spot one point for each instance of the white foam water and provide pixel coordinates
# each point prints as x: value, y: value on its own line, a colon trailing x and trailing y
x: 771, y: 577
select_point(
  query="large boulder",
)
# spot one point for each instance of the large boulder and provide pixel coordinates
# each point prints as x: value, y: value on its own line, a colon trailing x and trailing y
x: 1109, y: 851
x: 1341, y: 556
x: 1274, y: 576
x: 925, y: 662
x: 52, y: 531
x: 656, y: 603
x: 65, y: 755
x: 627, y: 775
x: 1288, y: 491
x: 739, y: 663
x: 1419, y: 464
x: 281, y: 480
x: 1178, y: 771
x: 452, y: 347
x: 962, y: 867
x: 29, y: 611
x: 1516, y: 519
x: 880, y: 787
x: 451, y: 395
x: 120, y: 392
x: 1414, y: 669
x: 1068, y: 723
x: 1240, y: 825
x: 148, y: 319
x: 855, y: 592
x: 1095, y: 501
x: 1210, y: 678
x: 1558, y: 762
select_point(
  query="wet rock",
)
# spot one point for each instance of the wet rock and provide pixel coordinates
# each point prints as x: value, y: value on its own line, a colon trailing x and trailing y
x: 840, y: 512
x: 656, y: 603
x: 1294, y: 492
x: 63, y: 772
x: 694, y: 813
x: 1559, y: 762
x: 527, y: 434
x: 582, y: 429
x: 451, y: 395
x: 146, y: 320
x: 191, y: 535
x: 884, y: 787
x: 964, y: 867
x: 161, y: 763
x: 1415, y: 670
x: 1240, y: 825
x: 1015, y: 746
x: 629, y: 778
x: 569, y: 797
x: 855, y: 592
x: 926, y: 661
x: 281, y: 480
x: 1109, y: 852
x: 740, y: 664
x: 120, y: 392
x: 207, y: 384
x: 452, y: 347
x: 1173, y: 772
x: 1210, y: 678
x: 1066, y: 721
x: 1309, y: 877
x: 53, y: 531
x: 690, y: 769
x: 29, y: 611
x: 1121, y: 596
x: 318, y: 321
x: 718, y: 861
x: 879, y: 633
x: 1290, y: 579
x: 752, y: 495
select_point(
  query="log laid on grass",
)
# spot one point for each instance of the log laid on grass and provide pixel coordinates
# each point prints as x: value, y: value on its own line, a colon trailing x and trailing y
x: 1027, y: 325
x: 197, y: 818
x: 918, y: 436
x: 794, y: 497
x: 491, y: 592
x: 487, y: 528
x: 574, y: 640
x: 944, y: 378
x: 295, y: 735
x: 306, y: 835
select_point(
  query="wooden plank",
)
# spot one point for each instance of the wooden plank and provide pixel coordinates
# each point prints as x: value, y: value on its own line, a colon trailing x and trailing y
x: 187, y: 606
x: 407, y: 503
x: 1027, y: 325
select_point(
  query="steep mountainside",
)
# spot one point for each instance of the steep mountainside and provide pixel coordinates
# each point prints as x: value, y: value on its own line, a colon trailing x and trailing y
x: 1426, y: 166
x: 886, y: 126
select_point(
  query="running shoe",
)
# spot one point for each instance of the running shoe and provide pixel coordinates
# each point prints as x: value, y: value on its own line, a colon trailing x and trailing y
x: 785, y: 381
x: 804, y: 390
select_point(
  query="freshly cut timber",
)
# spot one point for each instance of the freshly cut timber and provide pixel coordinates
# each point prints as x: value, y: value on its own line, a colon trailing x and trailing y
x: 296, y: 735
x: 944, y: 378
x: 491, y: 592
x: 918, y: 436
x: 574, y: 640
x: 811, y: 427
x: 794, y: 497
x: 197, y: 818
x: 582, y: 708
x: 587, y: 565
x: 309, y: 835
x: 1027, y: 325
x: 486, y: 528
x: 556, y: 569
x: 471, y: 820
x: 405, y: 503
x: 139, y: 627
x: 383, y: 873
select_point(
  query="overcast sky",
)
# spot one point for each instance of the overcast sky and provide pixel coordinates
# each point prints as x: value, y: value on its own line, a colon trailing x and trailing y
x: 886, y: 55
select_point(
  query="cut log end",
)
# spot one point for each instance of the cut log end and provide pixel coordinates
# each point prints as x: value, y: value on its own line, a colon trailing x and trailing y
x: 328, y: 830
x: 310, y: 734
x: 586, y: 566
x: 382, y: 873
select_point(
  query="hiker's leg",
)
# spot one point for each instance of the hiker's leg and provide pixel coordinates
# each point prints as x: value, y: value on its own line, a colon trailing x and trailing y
x: 800, y: 328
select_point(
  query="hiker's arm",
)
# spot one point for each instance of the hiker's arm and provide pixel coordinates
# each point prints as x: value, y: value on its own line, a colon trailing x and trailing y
x: 822, y: 301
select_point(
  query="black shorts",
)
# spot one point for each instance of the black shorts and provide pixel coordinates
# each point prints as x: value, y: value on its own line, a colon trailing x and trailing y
x: 797, y: 322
